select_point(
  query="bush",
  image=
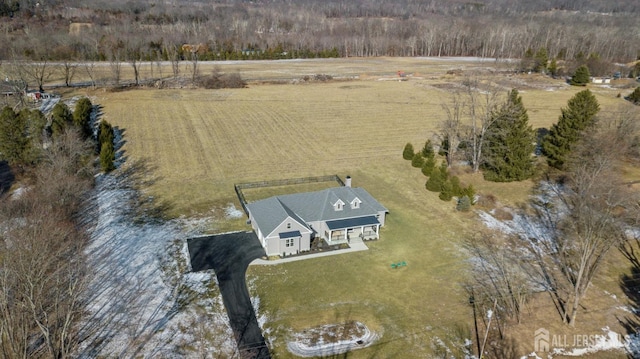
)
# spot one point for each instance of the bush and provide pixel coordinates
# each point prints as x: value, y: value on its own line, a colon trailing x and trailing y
x: 408, y: 152
x: 218, y: 81
x: 417, y: 160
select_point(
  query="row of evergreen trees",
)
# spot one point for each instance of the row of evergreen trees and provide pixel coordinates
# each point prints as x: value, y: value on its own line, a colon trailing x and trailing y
x: 440, y: 180
x: 510, y: 144
x: 24, y: 134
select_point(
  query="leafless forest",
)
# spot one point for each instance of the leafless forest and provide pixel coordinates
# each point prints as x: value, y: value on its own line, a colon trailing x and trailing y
x: 264, y: 29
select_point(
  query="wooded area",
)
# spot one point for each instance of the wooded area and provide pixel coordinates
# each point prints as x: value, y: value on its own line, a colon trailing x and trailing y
x: 59, y: 30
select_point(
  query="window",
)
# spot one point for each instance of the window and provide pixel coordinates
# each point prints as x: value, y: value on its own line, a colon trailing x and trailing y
x: 355, y: 204
x: 289, y: 242
x: 338, y: 205
x: 288, y: 225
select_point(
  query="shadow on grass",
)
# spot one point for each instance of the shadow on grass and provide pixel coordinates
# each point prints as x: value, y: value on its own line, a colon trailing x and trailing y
x: 6, y: 177
x: 630, y: 284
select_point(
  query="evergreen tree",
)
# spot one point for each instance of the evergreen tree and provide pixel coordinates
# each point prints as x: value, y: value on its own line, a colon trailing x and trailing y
x: 427, y: 150
x: 446, y: 192
x: 470, y: 192
x: 61, y: 118
x: 553, y: 67
x: 540, y: 60
x: 581, y: 77
x: 105, y: 132
x: 635, y: 96
x: 19, y: 135
x: 510, y: 142
x: 107, y: 157
x: 578, y: 116
x: 428, y: 166
x: 434, y: 184
x: 417, y: 160
x: 408, y: 152
x: 82, y: 116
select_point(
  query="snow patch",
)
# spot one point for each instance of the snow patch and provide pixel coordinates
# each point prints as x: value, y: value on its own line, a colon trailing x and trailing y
x: 232, y: 212
x: 143, y: 303
x: 332, y: 339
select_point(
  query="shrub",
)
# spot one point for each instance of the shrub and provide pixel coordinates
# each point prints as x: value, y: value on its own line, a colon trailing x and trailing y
x: 464, y: 204
x: 218, y: 81
x: 408, y: 153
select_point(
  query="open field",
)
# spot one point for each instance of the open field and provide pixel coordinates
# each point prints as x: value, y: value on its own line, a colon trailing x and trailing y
x: 204, y: 141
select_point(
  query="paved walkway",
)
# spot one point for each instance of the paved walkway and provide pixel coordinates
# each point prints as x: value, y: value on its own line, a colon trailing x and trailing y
x: 356, y: 245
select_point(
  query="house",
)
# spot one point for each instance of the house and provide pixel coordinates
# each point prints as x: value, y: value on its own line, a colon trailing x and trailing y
x: 286, y: 224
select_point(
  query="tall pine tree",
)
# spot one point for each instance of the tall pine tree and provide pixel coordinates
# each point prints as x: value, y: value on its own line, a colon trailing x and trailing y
x: 578, y: 116
x: 20, y: 135
x: 82, y: 116
x: 509, y: 144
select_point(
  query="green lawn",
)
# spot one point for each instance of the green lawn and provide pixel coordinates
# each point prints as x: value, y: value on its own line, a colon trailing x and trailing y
x: 401, y: 304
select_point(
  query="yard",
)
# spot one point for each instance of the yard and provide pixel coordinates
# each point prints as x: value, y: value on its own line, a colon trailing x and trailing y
x: 204, y: 141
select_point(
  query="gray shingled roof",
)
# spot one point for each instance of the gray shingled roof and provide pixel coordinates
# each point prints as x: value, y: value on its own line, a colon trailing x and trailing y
x: 270, y: 213
x: 313, y: 206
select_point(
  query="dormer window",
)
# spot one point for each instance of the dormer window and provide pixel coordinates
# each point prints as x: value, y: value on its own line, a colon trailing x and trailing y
x: 338, y: 205
x: 355, y: 204
x: 288, y: 225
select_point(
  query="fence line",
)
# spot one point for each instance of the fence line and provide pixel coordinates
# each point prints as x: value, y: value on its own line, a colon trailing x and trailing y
x: 281, y: 182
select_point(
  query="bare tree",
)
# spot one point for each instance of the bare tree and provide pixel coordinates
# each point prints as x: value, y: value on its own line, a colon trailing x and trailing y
x: 174, y: 58
x: 479, y: 108
x: 496, y: 274
x: 469, y: 116
x: 42, y: 267
x: 68, y: 71
x: 90, y: 68
x: 134, y: 56
x: 450, y: 128
x: 576, y: 223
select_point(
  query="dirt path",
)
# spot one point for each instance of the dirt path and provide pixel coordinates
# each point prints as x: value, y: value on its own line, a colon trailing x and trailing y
x: 229, y: 256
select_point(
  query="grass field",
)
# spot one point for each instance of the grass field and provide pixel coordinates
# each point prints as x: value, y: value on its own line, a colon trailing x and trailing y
x: 204, y: 141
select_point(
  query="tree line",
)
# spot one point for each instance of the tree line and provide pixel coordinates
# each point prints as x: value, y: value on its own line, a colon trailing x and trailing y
x: 281, y: 29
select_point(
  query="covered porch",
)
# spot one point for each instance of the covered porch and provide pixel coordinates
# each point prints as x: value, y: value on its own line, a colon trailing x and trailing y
x: 342, y: 230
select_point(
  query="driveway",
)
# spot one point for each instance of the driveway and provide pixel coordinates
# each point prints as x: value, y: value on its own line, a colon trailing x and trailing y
x: 229, y: 256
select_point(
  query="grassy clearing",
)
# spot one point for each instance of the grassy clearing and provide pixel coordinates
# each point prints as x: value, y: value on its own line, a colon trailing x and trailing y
x: 204, y: 141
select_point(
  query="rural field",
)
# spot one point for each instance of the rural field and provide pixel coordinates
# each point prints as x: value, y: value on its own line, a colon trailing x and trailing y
x: 204, y: 141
